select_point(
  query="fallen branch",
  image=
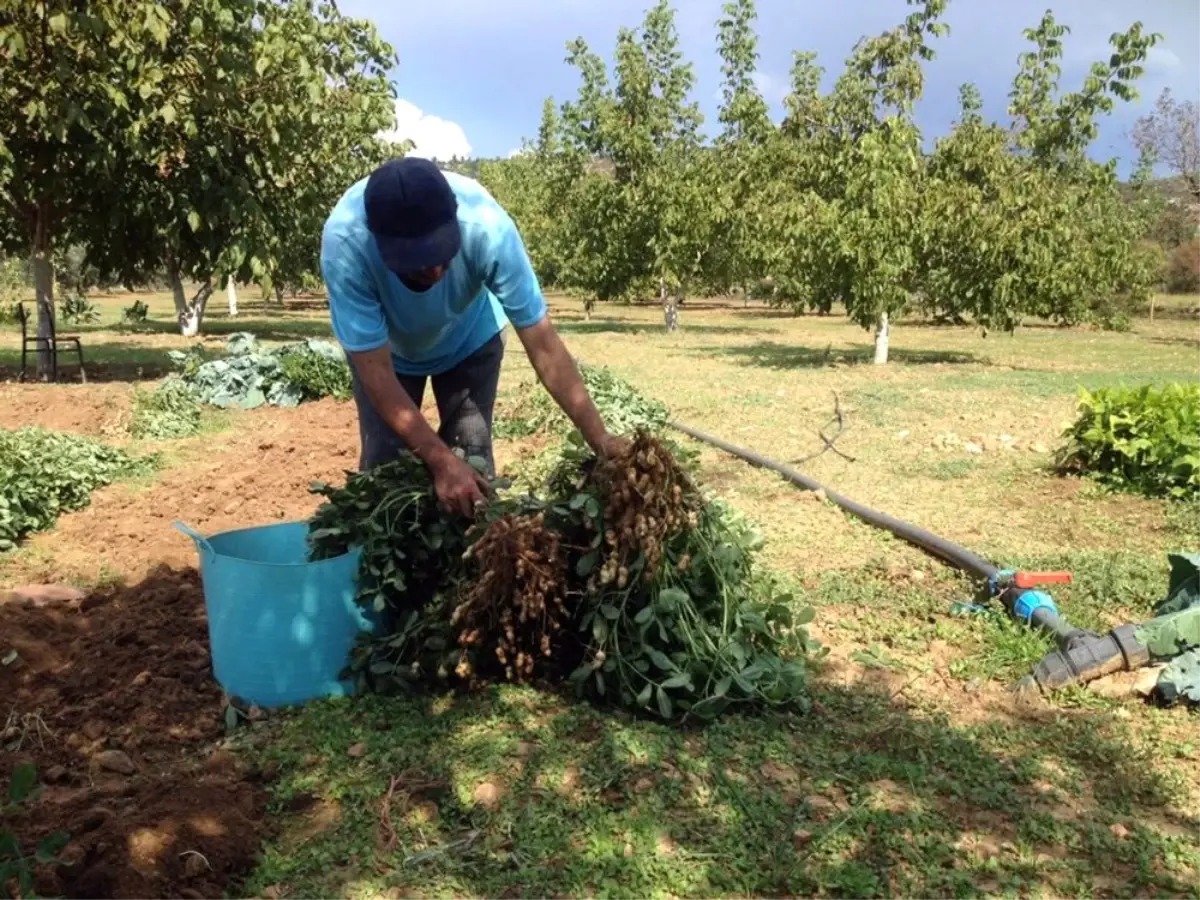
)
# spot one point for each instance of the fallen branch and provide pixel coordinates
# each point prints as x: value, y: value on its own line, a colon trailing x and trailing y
x: 828, y: 441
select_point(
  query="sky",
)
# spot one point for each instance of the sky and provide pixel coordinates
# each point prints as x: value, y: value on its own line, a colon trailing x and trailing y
x: 473, y: 73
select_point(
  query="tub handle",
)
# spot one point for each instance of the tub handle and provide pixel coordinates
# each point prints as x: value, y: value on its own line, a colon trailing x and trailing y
x: 201, y: 541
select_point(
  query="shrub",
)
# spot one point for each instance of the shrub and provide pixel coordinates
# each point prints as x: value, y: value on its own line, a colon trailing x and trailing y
x: 135, y: 314
x: 1182, y: 272
x: 44, y: 474
x: 77, y: 309
x: 1143, y: 439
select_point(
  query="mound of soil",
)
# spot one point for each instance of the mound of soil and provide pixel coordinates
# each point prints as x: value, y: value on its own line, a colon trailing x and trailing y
x: 112, y: 697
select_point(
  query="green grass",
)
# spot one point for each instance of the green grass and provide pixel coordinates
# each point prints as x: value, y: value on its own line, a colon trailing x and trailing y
x: 515, y: 793
x: 916, y: 775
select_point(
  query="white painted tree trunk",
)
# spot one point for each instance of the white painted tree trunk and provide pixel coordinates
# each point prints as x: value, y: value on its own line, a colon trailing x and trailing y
x: 231, y: 292
x: 189, y: 312
x: 43, y: 285
x: 882, y: 331
x: 670, y: 305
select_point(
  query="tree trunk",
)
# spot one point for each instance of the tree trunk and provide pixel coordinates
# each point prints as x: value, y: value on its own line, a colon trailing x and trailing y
x: 670, y: 305
x: 1153, y: 298
x: 279, y: 296
x: 882, y: 331
x: 231, y: 292
x: 190, y: 313
x: 43, y: 285
x: 587, y: 309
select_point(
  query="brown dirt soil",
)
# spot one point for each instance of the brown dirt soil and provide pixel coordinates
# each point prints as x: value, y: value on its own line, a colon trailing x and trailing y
x: 81, y: 409
x: 124, y: 673
x: 256, y: 475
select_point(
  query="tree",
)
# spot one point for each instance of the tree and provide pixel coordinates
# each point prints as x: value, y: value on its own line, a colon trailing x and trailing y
x: 851, y: 167
x: 265, y: 113
x: 1170, y: 135
x: 631, y: 161
x: 70, y: 84
x: 1019, y: 221
x: 739, y: 153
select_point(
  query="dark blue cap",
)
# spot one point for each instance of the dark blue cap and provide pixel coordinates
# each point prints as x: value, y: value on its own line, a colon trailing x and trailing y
x: 412, y: 214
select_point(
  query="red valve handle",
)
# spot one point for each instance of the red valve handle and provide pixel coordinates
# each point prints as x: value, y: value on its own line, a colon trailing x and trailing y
x: 1033, y: 579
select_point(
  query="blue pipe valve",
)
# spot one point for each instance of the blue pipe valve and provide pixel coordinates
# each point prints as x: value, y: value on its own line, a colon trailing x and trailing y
x: 1018, y: 594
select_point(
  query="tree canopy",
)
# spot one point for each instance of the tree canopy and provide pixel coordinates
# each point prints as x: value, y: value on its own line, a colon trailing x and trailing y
x: 206, y: 139
x: 623, y: 196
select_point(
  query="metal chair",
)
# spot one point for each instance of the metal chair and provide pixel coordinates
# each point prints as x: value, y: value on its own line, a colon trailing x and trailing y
x: 53, y: 342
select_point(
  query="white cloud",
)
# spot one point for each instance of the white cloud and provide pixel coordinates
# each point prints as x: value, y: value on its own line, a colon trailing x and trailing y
x: 517, y: 151
x: 1161, y: 58
x: 773, y: 89
x: 433, y: 137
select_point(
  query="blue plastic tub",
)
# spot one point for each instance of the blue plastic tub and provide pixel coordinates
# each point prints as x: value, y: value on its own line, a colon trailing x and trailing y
x: 281, y: 628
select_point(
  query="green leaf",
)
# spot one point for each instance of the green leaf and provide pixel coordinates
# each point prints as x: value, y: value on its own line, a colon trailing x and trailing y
x: 665, y: 708
x: 723, y: 686
x: 24, y: 778
x: 609, y: 611
x: 168, y: 116
x: 661, y: 661
x: 50, y: 846
x: 805, y: 616
x: 587, y: 564
x: 643, y: 697
x: 671, y: 599
x: 644, y: 615
x: 9, y: 658
x: 681, y: 680
x: 193, y: 220
x: 58, y: 23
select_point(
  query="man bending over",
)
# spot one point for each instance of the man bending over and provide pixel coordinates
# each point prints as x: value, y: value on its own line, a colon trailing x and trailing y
x: 424, y: 269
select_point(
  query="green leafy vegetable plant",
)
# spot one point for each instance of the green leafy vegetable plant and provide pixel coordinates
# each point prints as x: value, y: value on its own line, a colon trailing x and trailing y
x: 250, y: 377
x: 44, y: 474
x: 1142, y: 439
x: 620, y: 582
x: 171, y: 410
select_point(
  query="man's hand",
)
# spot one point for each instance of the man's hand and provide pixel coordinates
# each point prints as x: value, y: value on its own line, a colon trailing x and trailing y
x: 611, y: 445
x: 459, y: 487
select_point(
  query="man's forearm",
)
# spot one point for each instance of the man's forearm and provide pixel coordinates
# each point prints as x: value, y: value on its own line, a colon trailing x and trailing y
x: 395, y: 407
x: 560, y: 376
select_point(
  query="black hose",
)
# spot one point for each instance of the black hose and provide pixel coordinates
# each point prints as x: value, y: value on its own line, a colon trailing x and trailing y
x: 957, y: 556
x: 1083, y: 655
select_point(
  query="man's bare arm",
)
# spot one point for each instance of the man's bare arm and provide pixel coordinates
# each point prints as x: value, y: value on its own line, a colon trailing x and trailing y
x: 395, y: 407
x: 458, y: 486
x: 558, y: 373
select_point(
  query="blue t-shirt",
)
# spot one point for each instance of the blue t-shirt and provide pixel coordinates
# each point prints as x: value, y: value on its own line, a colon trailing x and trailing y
x: 489, y: 282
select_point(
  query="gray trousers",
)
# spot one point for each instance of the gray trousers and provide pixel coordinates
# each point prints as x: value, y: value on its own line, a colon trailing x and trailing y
x: 465, y: 396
